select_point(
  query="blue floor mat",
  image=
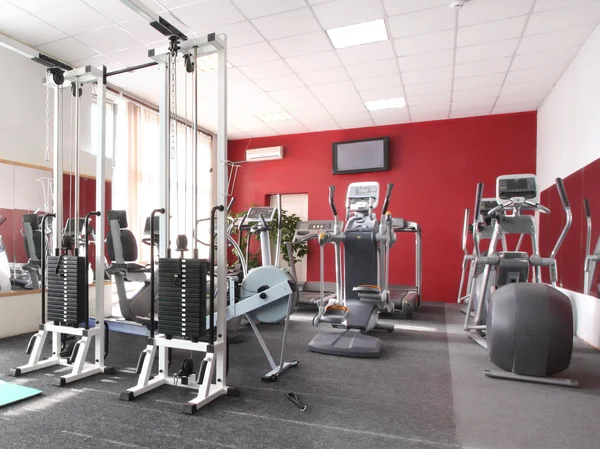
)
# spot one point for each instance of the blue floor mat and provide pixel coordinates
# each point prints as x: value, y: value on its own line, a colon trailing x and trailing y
x: 11, y: 393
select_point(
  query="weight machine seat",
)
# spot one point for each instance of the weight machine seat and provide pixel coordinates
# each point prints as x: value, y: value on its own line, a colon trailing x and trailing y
x: 129, y: 245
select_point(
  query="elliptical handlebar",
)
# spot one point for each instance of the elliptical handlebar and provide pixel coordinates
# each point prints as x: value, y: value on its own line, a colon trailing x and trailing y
x: 465, y: 229
x: 586, y: 207
x: 567, y: 206
x: 386, y: 201
x: 477, y: 211
x: 563, y: 193
x: 331, y: 202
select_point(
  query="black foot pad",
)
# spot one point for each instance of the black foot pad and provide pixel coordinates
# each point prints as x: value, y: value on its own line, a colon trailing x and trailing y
x: 110, y: 370
x: 60, y: 382
x: 189, y: 409
x: 126, y: 396
x: 234, y: 392
x: 14, y: 372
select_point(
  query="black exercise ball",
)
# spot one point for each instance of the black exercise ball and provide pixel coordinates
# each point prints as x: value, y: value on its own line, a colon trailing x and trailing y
x: 530, y: 329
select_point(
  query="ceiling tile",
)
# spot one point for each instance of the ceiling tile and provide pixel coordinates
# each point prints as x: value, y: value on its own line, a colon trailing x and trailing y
x: 340, y: 13
x: 422, y: 100
x: 348, y: 115
x: 422, y: 22
x: 10, y: 12
x: 391, y: 121
x: 320, y: 128
x: 31, y: 31
x: 474, y: 94
x: 324, y: 76
x: 428, y: 76
x: 104, y: 60
x: 426, y: 61
x: 424, y: 43
x: 259, y: 8
x: 382, y: 94
x: 251, y: 54
x: 537, y: 86
x: 291, y: 94
x: 68, y: 50
x: 353, y: 124
x: 475, y: 103
x: 288, y: 126
x: 429, y: 88
x: 482, y: 68
x: 299, y: 21
x: 553, y: 57
x: 378, y: 82
x: 257, y: 104
x: 515, y: 108
x: 396, y: 113
x: 544, y: 5
x: 555, y: 40
x: 430, y: 108
x: 550, y: 73
x: 142, y: 30
x: 266, y: 69
x: 35, y: 6
x: 209, y: 15
x: 491, y: 32
x: 113, y: 9
x: 428, y: 116
x: 280, y: 82
x: 109, y: 39
x: 131, y: 56
x: 473, y: 82
x: 342, y: 102
x: 311, y: 115
x: 318, y: 121
x: 235, y: 76
x: 243, y: 88
x: 342, y: 87
x: 483, y: 52
x: 506, y: 100
x: 317, y: 61
x: 74, y: 18
x: 394, y: 7
x: 366, y: 53
x: 462, y: 113
x: 260, y: 131
x: 240, y: 34
x: 489, y: 10
x: 375, y: 68
x: 561, y: 19
x: 304, y: 103
x: 302, y: 44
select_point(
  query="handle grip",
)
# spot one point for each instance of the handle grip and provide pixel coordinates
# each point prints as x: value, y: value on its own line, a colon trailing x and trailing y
x: 586, y: 206
x: 563, y: 193
x: 478, y: 197
x: 386, y: 202
x: 331, y: 203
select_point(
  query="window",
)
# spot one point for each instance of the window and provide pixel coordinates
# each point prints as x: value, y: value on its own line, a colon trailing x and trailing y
x: 111, y: 125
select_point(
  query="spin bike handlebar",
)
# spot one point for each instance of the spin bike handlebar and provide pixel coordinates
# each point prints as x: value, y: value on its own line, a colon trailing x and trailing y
x: 386, y: 201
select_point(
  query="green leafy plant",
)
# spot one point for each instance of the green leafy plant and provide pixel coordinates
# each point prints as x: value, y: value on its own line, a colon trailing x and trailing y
x: 288, y: 223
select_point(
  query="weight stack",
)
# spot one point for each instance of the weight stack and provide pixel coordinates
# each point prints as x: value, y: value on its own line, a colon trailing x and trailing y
x: 66, y: 290
x: 182, y: 298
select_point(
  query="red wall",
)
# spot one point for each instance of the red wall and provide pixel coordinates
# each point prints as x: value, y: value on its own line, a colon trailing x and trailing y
x: 11, y: 229
x: 435, y: 167
x: 584, y: 183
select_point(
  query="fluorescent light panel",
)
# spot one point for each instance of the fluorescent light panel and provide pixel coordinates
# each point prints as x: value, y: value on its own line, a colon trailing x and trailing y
x: 209, y: 63
x: 359, y: 34
x: 390, y: 103
x: 275, y: 117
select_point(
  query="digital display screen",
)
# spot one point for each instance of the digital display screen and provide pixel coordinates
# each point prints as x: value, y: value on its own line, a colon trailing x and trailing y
x: 518, y: 187
x: 361, y: 156
x: 255, y: 212
x: 365, y: 190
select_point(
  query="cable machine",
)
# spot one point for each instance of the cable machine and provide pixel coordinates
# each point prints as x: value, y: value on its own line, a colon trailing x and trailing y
x: 65, y: 304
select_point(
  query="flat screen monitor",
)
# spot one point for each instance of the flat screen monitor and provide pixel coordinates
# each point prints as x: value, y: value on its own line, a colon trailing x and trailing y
x: 361, y: 156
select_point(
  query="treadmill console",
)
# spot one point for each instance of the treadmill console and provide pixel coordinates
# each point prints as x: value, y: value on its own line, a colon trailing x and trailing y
x: 361, y: 195
x: 306, y: 230
x: 517, y: 188
x: 254, y: 213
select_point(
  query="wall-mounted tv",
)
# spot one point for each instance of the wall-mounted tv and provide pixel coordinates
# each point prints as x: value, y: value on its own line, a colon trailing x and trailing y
x: 359, y: 156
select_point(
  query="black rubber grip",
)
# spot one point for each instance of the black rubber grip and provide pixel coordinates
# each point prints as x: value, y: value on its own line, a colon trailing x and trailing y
x: 563, y: 193
x: 478, y: 196
x: 586, y: 206
x: 386, y: 202
x: 331, y: 203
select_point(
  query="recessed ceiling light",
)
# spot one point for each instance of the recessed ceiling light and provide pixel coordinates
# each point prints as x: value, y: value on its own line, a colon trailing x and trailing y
x: 275, y: 116
x: 361, y: 33
x: 390, y: 103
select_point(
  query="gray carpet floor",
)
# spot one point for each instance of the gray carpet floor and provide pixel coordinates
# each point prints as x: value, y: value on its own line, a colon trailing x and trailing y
x: 426, y: 391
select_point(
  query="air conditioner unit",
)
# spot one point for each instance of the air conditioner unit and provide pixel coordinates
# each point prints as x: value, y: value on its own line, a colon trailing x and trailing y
x: 264, y: 154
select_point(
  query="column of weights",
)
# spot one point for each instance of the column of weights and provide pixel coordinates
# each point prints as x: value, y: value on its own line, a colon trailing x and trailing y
x: 182, y: 298
x: 66, y: 290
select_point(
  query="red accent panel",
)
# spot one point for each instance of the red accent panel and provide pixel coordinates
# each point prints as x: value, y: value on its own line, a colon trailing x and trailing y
x: 435, y: 167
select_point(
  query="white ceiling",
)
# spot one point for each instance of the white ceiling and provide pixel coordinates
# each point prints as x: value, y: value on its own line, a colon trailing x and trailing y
x: 490, y: 57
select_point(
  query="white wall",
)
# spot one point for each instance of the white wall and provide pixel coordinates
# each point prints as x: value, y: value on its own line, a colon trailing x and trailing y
x: 23, y: 116
x: 568, y: 135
